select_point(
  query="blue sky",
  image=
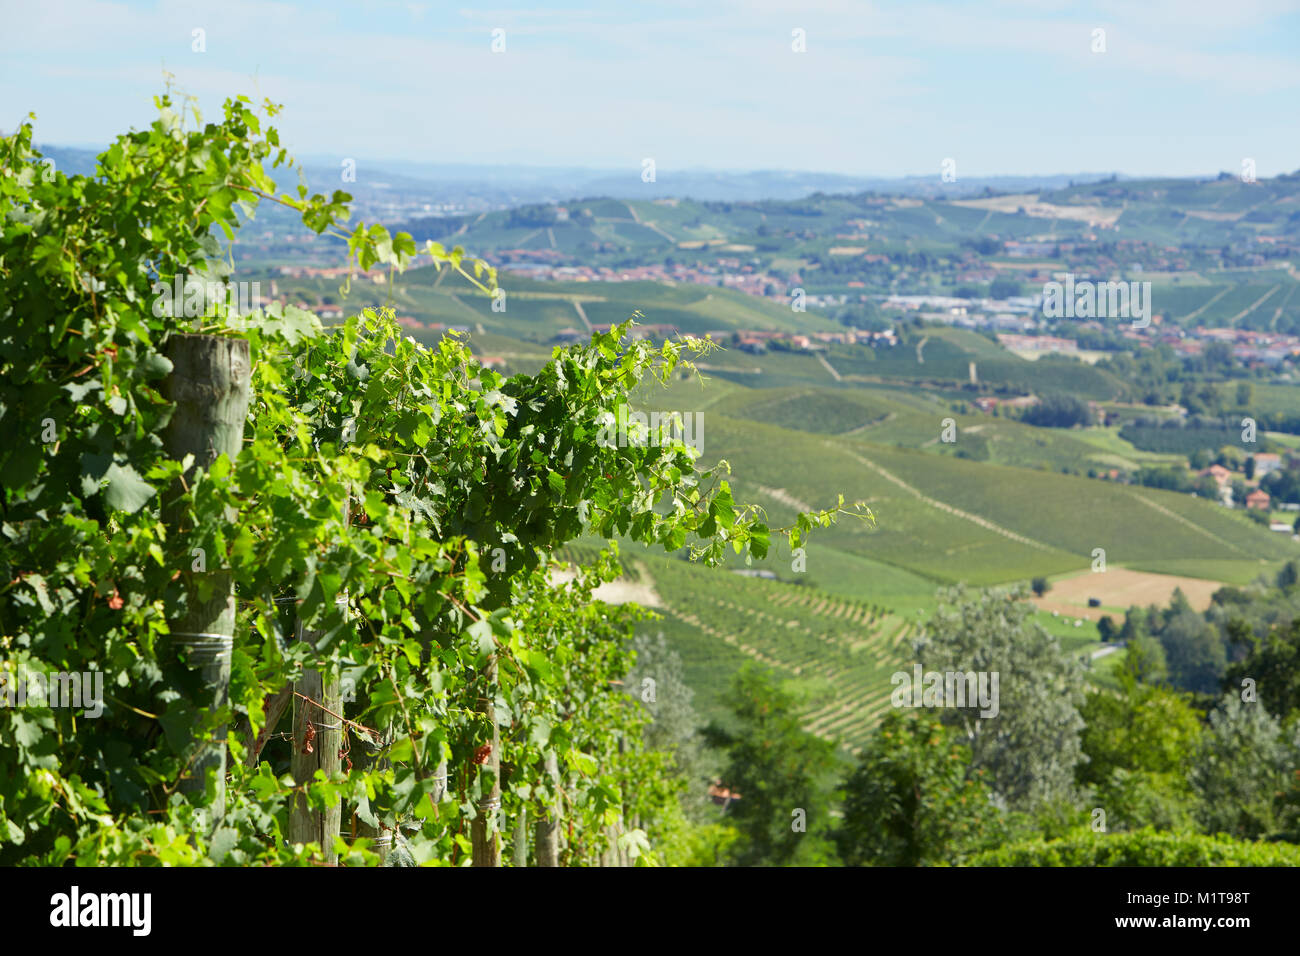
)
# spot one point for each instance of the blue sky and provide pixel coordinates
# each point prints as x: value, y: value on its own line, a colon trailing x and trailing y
x: 1184, y: 87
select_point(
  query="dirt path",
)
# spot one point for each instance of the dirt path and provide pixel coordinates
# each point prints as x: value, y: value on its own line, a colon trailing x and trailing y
x: 639, y: 590
x: 935, y: 503
x: 1213, y: 300
x: 581, y: 314
x: 787, y: 499
x: 830, y: 368
x: 1253, y: 306
x: 1191, y: 524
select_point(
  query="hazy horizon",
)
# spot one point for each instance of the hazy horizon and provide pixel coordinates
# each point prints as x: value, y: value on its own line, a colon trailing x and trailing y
x: 879, y: 90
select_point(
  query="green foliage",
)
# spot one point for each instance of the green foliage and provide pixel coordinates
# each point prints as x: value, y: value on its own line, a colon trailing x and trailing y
x: 1144, y: 656
x: 1145, y: 847
x: 1058, y: 410
x: 1030, y: 748
x: 1193, y: 649
x: 914, y: 799
x: 427, y: 492
x: 658, y: 680
x: 1246, y: 772
x: 1140, y: 746
x: 780, y: 772
x: 1272, y: 662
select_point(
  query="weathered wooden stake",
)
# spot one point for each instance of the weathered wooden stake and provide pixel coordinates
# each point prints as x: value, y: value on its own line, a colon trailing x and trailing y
x: 547, y: 837
x: 317, y: 738
x: 210, y: 384
x: 483, y: 832
x: 520, y: 857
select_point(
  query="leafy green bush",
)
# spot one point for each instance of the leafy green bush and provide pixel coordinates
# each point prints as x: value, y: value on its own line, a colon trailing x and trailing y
x: 404, y: 500
x: 1146, y: 847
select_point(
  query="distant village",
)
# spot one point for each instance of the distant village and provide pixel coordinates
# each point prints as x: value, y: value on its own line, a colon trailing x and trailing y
x: 1014, y: 318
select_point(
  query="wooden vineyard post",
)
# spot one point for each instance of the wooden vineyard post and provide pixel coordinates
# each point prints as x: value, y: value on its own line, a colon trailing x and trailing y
x: 520, y: 857
x: 317, y: 743
x: 317, y: 739
x: 483, y: 832
x: 210, y: 384
x: 548, y: 824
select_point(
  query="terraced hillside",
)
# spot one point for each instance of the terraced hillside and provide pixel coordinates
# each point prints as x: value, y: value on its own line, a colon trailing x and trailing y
x: 837, y: 653
x: 912, y: 419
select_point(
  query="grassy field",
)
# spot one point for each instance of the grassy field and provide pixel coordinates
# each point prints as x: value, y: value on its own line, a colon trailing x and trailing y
x: 950, y: 519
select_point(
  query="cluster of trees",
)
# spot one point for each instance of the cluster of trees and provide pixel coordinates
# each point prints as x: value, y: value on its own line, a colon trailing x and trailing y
x: 1142, y: 772
x: 1058, y: 410
x: 862, y: 315
x: 533, y: 216
x: 1176, y: 478
x: 1283, y: 485
x: 1197, y: 652
x: 997, y: 289
x: 1161, y: 376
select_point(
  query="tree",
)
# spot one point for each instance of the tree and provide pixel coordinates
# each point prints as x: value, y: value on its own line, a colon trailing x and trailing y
x: 914, y: 799
x: 1288, y: 576
x: 1040, y: 586
x: 1194, y: 651
x: 1106, y: 629
x: 1144, y: 657
x: 1058, y: 410
x: 1245, y: 771
x: 1218, y: 357
x: 1004, y: 288
x: 658, y: 681
x: 1239, y: 492
x: 1029, y: 751
x: 780, y: 772
x: 1272, y: 662
x: 1283, y: 485
x: 1139, y: 743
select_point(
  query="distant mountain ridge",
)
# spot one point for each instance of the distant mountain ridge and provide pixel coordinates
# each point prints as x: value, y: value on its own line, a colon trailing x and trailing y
x: 512, y: 185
